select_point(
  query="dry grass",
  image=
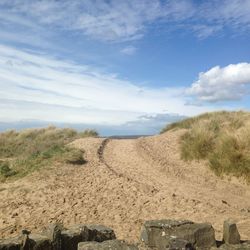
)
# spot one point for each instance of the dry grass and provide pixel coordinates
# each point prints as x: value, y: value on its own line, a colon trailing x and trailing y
x: 23, y: 152
x: 223, y: 138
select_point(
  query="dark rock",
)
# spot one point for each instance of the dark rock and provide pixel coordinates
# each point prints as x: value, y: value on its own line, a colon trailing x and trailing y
x: 230, y: 232
x: 10, y: 244
x: 72, y: 236
x: 53, y: 232
x: 159, y: 234
x: 180, y: 244
x: 39, y: 242
x: 106, y: 245
x: 80, y: 233
x: 100, y: 233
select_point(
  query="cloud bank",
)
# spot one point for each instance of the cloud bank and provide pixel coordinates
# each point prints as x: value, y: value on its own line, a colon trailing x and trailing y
x: 222, y: 83
x: 38, y: 86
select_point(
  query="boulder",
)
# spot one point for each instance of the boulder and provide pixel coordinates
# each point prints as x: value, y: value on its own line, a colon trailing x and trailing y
x: 106, y: 245
x: 72, y: 236
x: 38, y: 242
x: 160, y: 233
x: 230, y: 232
x: 100, y: 233
x: 10, y: 244
x: 53, y: 232
x: 81, y: 233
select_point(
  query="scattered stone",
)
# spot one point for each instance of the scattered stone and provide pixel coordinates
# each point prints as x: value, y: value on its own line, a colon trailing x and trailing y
x: 106, y: 245
x: 159, y: 234
x: 230, y: 232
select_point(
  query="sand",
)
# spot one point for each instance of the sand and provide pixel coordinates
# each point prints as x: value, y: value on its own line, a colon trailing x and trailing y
x: 124, y: 183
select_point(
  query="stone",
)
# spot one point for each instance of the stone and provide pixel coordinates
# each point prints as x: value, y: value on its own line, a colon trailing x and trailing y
x: 100, y: 233
x: 53, y: 232
x: 180, y: 244
x: 106, y: 245
x: 230, y: 232
x: 10, y: 244
x: 81, y: 233
x: 72, y: 236
x: 39, y: 242
x: 159, y: 233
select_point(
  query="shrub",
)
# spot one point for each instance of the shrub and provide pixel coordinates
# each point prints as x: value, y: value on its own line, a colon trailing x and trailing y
x: 5, y: 170
x: 89, y: 133
x: 74, y: 156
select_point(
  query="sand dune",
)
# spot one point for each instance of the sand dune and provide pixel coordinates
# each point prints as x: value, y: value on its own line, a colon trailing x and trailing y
x: 124, y: 182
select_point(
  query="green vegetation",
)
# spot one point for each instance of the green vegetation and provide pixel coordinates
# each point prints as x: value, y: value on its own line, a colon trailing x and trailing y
x: 223, y: 138
x: 23, y: 152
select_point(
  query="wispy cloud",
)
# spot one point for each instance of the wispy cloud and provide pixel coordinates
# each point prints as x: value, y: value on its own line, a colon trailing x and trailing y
x: 129, y: 50
x: 222, y: 84
x: 117, y: 21
x: 79, y: 92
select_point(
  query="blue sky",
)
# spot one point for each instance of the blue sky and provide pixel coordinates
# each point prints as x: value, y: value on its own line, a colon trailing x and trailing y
x: 122, y: 63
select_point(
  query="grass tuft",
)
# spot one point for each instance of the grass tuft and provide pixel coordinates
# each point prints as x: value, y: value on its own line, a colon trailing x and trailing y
x: 28, y: 150
x: 223, y: 138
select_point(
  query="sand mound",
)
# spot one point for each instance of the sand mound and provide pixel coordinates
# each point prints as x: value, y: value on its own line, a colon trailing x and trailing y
x: 124, y: 182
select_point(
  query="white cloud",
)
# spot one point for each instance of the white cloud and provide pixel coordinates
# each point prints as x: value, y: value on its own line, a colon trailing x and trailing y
x: 129, y: 50
x: 63, y: 90
x: 221, y: 84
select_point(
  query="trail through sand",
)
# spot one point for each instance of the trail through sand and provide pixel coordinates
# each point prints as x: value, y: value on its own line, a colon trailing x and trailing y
x: 124, y: 183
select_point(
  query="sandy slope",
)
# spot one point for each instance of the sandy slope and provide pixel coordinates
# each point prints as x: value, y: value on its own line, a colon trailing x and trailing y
x: 124, y: 183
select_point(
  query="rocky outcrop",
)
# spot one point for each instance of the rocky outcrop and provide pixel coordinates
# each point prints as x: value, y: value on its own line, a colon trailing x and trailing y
x: 230, y: 232
x: 163, y: 233
x: 156, y: 235
x: 55, y: 237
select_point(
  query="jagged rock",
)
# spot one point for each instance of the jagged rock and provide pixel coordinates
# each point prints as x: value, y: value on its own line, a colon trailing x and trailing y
x: 159, y: 234
x: 39, y: 242
x: 106, y: 245
x: 10, y: 244
x: 53, y: 232
x: 80, y: 233
x: 230, y: 232
x: 72, y: 236
x: 100, y: 233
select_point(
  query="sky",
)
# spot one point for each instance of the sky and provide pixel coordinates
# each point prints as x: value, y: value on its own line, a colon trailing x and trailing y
x: 127, y: 65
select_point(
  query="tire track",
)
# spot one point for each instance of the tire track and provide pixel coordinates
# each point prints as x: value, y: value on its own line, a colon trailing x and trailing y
x: 100, y: 153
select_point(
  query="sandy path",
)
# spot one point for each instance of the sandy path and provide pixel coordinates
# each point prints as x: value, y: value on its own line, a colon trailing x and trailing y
x: 124, y: 183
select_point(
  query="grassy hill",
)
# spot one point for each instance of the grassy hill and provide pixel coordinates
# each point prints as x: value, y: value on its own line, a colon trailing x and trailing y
x: 23, y: 152
x: 223, y: 138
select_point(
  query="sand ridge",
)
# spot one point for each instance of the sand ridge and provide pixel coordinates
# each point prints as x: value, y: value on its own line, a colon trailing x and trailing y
x: 125, y: 182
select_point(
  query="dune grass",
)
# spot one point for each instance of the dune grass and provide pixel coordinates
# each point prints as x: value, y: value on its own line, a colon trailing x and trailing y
x: 26, y: 151
x: 223, y: 138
